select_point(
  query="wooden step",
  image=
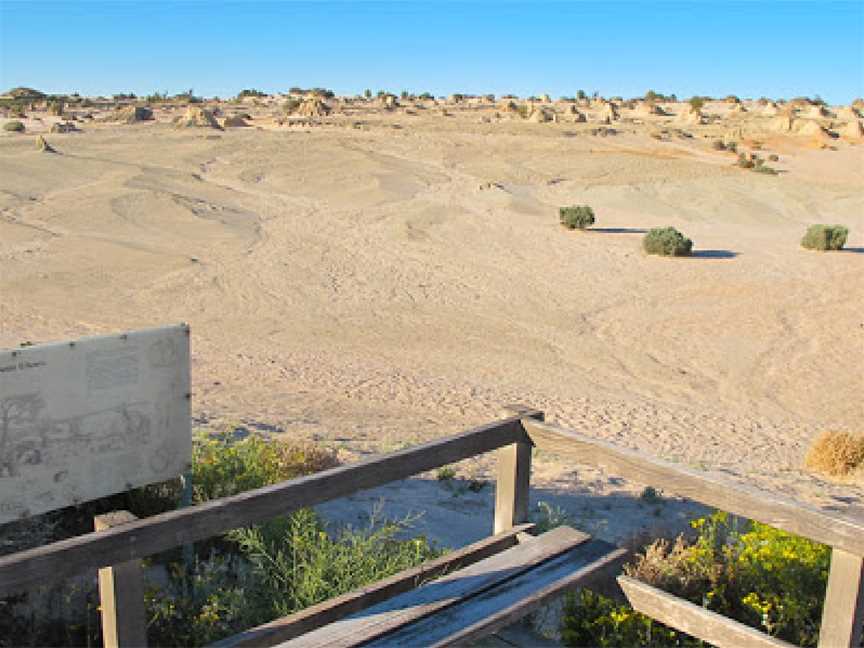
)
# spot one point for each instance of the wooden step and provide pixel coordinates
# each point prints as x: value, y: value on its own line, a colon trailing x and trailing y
x: 497, y: 588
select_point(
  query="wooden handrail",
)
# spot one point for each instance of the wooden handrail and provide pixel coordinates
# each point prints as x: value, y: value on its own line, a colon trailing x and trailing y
x: 167, y: 530
x: 708, y: 488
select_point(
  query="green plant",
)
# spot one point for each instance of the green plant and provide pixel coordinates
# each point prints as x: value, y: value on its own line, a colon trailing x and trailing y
x: 750, y: 572
x: 825, y: 237
x: 666, y: 241
x: 576, y: 216
x: 295, y: 563
x: 548, y: 516
x: 14, y: 126
x: 445, y: 473
x: 223, y: 466
x: 650, y: 495
x: 593, y: 620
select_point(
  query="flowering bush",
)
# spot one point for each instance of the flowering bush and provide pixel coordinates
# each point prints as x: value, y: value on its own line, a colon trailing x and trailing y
x: 751, y: 572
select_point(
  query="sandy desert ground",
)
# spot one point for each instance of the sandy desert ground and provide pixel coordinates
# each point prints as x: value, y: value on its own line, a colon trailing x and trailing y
x: 374, y: 278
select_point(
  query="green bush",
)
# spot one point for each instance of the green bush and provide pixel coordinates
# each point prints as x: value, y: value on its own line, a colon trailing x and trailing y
x: 283, y: 566
x: 825, y: 237
x: 750, y: 572
x: 223, y: 466
x: 14, y: 126
x: 666, y: 241
x: 592, y: 620
x: 576, y: 216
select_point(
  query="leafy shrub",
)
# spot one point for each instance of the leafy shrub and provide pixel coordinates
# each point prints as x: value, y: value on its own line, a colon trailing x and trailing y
x: 773, y: 158
x: 750, y: 572
x: 836, y: 454
x: 222, y: 466
x: 593, y: 620
x: 14, y: 126
x: 825, y: 237
x: 576, y: 216
x: 666, y: 241
x: 718, y: 145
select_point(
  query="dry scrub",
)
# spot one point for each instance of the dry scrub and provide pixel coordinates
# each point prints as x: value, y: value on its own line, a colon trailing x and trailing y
x: 837, y: 454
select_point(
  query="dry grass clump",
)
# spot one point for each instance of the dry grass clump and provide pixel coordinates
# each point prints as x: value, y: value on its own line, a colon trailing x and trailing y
x: 837, y: 454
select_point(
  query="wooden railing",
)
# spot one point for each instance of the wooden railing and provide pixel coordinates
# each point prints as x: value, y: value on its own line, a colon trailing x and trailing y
x: 113, y: 549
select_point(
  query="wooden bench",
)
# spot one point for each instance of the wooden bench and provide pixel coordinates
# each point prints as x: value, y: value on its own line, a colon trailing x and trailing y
x: 460, y: 606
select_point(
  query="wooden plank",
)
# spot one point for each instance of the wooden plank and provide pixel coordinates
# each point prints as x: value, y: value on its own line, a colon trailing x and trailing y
x: 696, y: 621
x: 161, y: 532
x: 513, y: 483
x: 488, y: 611
x: 339, y: 607
x: 714, y: 490
x: 406, y: 608
x: 512, y: 486
x: 121, y: 594
x: 843, y: 610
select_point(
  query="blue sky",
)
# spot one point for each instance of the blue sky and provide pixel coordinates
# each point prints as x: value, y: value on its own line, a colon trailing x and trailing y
x: 777, y: 49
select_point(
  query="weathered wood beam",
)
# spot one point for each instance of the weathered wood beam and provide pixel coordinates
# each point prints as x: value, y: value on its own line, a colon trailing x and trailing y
x: 696, y: 621
x: 832, y: 529
x: 843, y: 610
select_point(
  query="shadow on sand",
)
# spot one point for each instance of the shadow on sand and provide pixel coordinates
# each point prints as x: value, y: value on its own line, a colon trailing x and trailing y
x: 713, y: 254
x: 618, y: 230
x: 853, y: 250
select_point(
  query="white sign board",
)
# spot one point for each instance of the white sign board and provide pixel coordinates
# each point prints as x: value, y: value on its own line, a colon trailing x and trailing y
x: 87, y: 418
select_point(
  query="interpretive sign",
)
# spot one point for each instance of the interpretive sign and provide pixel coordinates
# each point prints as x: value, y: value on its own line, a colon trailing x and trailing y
x: 87, y: 418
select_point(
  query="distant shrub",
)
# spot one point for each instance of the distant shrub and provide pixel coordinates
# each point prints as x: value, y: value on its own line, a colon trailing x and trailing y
x: 576, y: 216
x: 14, y: 126
x: 825, y: 237
x: 745, y: 162
x: 697, y: 102
x: 836, y: 454
x: 773, y: 158
x: 761, y: 167
x: 667, y: 241
x: 718, y: 145
x: 291, y: 105
x: 732, y: 146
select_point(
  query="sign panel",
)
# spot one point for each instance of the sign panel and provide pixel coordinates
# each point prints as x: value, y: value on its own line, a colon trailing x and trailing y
x: 87, y: 418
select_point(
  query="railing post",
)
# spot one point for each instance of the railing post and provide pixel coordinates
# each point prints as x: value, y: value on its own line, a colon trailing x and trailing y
x: 513, y: 482
x: 121, y: 594
x: 843, y: 610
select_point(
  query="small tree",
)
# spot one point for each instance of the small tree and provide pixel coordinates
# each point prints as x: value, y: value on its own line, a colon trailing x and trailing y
x: 825, y: 237
x: 696, y: 103
x: 576, y: 216
x: 367, y: 93
x: 667, y: 241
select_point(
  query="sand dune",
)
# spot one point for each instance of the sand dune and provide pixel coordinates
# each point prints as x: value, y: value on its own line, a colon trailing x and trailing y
x: 380, y: 285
